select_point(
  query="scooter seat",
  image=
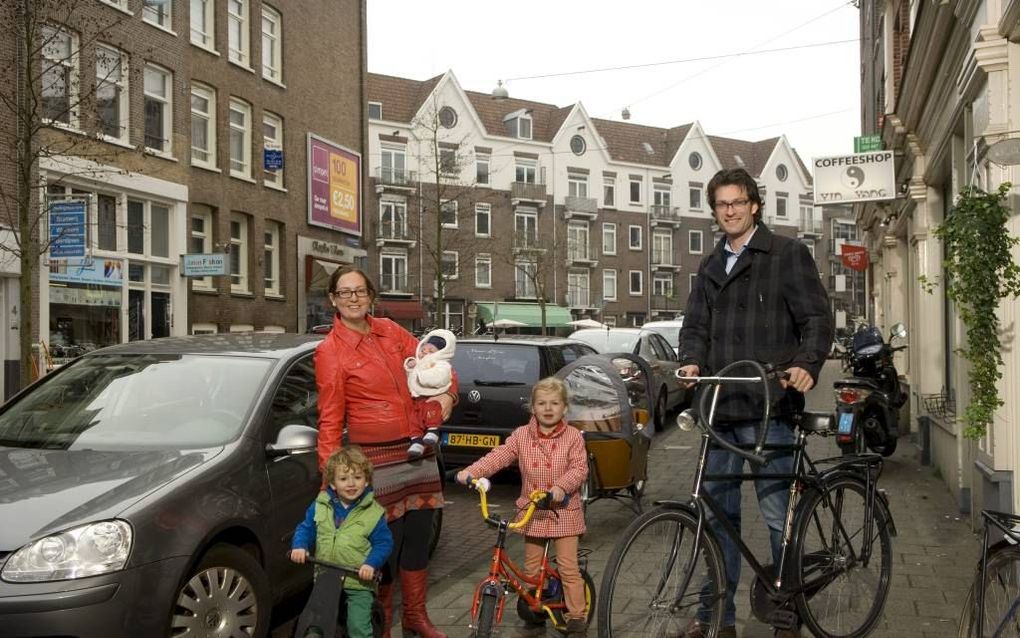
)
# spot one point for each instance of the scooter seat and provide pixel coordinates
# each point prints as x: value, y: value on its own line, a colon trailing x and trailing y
x: 857, y: 382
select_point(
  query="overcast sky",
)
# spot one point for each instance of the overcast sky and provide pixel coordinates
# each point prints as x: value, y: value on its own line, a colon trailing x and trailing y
x: 810, y: 94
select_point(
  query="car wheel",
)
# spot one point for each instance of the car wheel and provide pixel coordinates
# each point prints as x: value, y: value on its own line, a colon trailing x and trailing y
x: 660, y: 410
x: 226, y: 594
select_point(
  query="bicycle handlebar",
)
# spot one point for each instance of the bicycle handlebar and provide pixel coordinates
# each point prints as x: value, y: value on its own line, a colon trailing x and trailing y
x: 765, y: 375
x: 533, y: 501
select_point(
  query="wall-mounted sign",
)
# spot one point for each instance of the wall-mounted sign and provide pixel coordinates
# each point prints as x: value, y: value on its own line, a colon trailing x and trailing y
x: 103, y: 272
x: 272, y: 158
x: 67, y: 220
x: 867, y: 143
x: 203, y: 265
x: 855, y: 257
x: 861, y: 177
x: 84, y: 296
x: 334, y: 186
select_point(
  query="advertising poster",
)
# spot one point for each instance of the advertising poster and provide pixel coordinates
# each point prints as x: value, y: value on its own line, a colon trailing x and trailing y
x: 98, y: 271
x: 334, y: 186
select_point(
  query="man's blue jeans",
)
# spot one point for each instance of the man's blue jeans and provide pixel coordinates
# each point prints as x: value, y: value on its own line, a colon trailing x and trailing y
x: 773, y: 497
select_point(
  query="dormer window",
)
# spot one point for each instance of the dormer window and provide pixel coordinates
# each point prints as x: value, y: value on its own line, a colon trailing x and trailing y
x: 518, y: 124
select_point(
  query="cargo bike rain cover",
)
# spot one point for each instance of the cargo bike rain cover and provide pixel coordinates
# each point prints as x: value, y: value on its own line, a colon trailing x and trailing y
x: 607, y: 392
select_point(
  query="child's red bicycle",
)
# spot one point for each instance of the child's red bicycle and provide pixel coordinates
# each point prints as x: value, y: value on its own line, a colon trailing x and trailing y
x: 539, y: 597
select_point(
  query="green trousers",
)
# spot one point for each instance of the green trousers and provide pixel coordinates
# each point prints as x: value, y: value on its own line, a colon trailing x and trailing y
x: 359, y: 613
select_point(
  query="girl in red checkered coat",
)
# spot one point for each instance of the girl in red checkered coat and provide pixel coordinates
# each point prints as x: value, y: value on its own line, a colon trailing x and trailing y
x: 551, y: 456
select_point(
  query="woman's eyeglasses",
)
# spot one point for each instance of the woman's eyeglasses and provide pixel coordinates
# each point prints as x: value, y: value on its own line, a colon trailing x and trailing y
x: 346, y: 293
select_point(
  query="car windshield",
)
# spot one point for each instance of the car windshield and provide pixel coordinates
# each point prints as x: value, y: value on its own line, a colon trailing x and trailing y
x: 608, y: 340
x: 137, y: 402
x: 669, y: 333
x: 497, y: 364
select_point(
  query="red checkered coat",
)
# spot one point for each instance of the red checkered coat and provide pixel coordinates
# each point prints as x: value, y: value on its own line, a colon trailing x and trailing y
x: 558, y: 458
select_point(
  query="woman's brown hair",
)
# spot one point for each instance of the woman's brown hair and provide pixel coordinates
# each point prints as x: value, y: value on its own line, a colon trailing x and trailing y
x: 345, y: 270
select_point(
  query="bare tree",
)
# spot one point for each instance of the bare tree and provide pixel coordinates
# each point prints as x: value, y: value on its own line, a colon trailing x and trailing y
x: 447, y: 199
x: 50, y: 111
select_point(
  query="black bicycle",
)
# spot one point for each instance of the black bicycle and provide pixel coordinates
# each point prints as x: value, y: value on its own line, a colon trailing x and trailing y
x: 836, y: 563
x: 992, y: 608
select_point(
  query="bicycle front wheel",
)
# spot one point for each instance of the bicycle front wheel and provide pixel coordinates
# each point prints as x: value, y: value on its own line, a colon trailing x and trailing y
x: 1002, y: 597
x: 843, y: 569
x: 656, y: 584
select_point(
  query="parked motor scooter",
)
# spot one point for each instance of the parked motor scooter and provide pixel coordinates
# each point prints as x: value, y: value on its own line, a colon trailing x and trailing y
x: 868, y: 402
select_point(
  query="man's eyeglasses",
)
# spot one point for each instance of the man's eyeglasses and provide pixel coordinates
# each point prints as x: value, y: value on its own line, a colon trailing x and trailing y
x: 346, y: 293
x: 738, y: 205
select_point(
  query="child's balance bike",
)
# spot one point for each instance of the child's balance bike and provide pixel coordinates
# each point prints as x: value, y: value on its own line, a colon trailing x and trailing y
x: 540, y: 597
x: 325, y: 613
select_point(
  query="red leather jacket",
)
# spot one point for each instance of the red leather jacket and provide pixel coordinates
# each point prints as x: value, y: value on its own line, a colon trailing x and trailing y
x: 361, y: 379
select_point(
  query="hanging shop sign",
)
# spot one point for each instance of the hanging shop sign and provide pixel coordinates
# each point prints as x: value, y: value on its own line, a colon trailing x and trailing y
x: 855, y: 257
x: 861, y: 177
x: 67, y: 220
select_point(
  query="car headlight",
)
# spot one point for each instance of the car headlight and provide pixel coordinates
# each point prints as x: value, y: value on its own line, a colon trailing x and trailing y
x: 88, y: 550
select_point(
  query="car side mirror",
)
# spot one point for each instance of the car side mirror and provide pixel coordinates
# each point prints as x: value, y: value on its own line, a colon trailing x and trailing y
x: 293, y: 439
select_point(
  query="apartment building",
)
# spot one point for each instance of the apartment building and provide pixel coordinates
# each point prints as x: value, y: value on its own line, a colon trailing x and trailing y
x: 937, y: 87
x: 189, y: 128
x: 517, y: 200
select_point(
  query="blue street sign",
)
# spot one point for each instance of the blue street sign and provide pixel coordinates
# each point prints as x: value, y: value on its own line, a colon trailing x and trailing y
x: 272, y: 159
x: 67, y: 228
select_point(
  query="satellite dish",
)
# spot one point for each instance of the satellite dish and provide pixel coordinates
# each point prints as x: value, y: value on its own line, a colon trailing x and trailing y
x: 1005, y: 152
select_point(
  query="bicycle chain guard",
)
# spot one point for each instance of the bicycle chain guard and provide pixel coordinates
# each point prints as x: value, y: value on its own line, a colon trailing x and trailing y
x: 767, y: 609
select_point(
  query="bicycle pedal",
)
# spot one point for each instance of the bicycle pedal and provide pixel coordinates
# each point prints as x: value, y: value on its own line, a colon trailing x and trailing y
x: 783, y: 619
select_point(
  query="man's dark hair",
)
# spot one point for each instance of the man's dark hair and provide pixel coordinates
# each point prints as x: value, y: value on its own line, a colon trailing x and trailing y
x: 735, y: 177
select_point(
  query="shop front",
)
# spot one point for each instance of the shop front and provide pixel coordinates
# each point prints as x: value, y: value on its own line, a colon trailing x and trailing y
x: 317, y: 260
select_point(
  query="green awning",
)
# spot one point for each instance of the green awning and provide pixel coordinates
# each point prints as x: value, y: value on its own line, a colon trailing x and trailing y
x: 530, y: 314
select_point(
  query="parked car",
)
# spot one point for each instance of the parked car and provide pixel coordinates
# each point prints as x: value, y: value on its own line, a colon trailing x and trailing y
x: 152, y: 488
x: 669, y: 329
x: 651, y: 347
x: 496, y: 376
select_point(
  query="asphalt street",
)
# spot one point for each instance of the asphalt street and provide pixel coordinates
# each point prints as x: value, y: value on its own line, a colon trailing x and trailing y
x: 934, y: 553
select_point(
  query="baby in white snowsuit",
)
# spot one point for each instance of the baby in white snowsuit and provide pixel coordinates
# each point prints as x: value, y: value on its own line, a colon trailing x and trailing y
x: 429, y: 373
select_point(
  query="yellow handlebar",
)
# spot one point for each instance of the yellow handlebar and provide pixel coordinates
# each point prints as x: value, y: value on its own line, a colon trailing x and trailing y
x: 534, y: 498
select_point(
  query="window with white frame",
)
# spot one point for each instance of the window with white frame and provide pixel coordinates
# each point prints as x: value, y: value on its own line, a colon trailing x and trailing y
x: 203, y: 20
x: 608, y: 239
x: 272, y: 44
x: 120, y: 4
x: 483, y: 220
x: 201, y: 241
x: 691, y: 278
x: 394, y: 161
x: 525, y: 229
x: 375, y: 110
x: 662, y: 247
x: 525, y: 171
x: 203, y: 328
x: 239, y: 253
x: 203, y: 126
x: 392, y: 219
x: 448, y: 162
x: 240, y: 138
x: 106, y: 222
x: 609, y: 320
x: 112, y: 108
x: 695, y: 197
x: 635, y: 237
x: 450, y: 264
x: 518, y: 125
x: 148, y: 228
x: 238, y: 44
x: 483, y: 271
x: 781, y: 204
x: 393, y: 267
x: 661, y: 196
x: 271, y: 258
x: 577, y: 185
x: 272, y: 139
x: 159, y: 109
x: 158, y: 12
x: 577, y: 241
x: 637, y: 279
x: 609, y: 192
x: 59, y: 76
x: 482, y: 169
x: 609, y: 285
x: 635, y: 190
x: 695, y: 239
x: 525, y: 271
x: 448, y: 213
x: 662, y: 284
x: 578, y: 292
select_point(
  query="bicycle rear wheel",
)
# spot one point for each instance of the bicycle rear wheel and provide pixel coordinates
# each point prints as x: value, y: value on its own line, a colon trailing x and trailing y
x: 1002, y: 596
x: 843, y: 596
x: 654, y: 583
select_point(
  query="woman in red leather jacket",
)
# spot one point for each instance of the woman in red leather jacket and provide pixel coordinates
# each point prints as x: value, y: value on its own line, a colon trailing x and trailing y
x: 359, y: 368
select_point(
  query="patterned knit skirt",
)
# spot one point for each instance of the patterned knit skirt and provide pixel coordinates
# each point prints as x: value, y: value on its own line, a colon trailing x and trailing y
x: 400, y: 484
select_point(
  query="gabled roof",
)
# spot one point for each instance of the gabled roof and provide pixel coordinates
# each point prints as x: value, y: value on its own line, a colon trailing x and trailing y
x: 545, y: 118
x: 753, y: 155
x: 400, y: 97
x: 640, y: 144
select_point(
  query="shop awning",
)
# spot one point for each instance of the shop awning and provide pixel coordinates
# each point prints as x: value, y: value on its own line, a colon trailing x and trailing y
x: 399, y: 309
x: 529, y: 314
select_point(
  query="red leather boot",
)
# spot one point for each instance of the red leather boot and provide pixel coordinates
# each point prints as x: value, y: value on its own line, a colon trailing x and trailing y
x: 385, y: 598
x: 413, y: 592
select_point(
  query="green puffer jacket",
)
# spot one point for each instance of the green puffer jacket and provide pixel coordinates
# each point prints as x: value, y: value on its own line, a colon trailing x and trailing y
x: 348, y: 544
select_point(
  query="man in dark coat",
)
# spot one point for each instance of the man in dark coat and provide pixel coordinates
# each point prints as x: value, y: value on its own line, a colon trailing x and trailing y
x: 757, y: 296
